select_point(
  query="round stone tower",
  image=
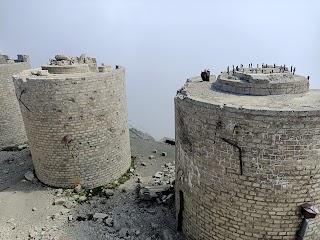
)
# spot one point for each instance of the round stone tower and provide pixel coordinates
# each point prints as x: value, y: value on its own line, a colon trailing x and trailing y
x: 12, y: 130
x: 76, y: 121
x: 247, y: 155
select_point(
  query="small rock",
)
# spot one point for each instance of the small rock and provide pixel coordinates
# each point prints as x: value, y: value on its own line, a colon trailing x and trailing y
x: 169, y: 197
x: 131, y: 170
x: 55, y: 216
x: 59, y: 201
x: 139, y: 180
x: 76, y: 196
x: 34, y: 209
x: 131, y: 232
x: 151, y: 211
x: 123, y: 232
x: 68, y: 204
x: 155, y: 151
x: 33, y: 234
x: 65, y: 211
x: 108, y: 192
x: 116, y: 224
x: 100, y: 216
x: 29, y: 176
x: 62, y: 57
x: 158, y: 174
x: 138, y: 232
x: 164, y: 154
x: 143, y: 164
x: 151, y: 157
x: 22, y: 146
x: 154, y: 226
x: 70, y: 218
x: 166, y: 235
x: 82, y: 198
x: 109, y: 222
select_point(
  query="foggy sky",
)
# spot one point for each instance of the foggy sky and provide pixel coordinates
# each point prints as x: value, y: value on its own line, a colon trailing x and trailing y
x: 162, y: 43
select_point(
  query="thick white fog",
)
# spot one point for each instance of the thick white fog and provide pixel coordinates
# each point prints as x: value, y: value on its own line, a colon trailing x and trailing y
x: 162, y: 43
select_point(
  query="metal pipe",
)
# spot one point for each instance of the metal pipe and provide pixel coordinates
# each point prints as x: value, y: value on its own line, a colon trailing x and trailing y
x: 303, y: 229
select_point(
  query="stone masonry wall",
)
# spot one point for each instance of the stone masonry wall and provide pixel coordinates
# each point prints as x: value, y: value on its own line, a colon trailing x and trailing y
x: 89, y: 106
x: 280, y: 151
x: 12, y: 130
x: 262, y: 89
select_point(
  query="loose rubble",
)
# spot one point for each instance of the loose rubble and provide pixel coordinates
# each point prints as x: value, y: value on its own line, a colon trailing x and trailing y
x: 141, y: 208
x: 30, y: 176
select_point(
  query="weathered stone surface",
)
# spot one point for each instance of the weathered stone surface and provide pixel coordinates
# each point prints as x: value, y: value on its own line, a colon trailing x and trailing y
x: 244, y: 163
x: 12, y: 130
x: 150, y: 192
x: 99, y: 122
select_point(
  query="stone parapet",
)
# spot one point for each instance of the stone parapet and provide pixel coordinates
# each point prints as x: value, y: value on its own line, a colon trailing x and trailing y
x: 262, y: 81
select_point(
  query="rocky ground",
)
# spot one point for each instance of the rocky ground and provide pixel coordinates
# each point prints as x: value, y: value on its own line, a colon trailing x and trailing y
x: 141, y: 208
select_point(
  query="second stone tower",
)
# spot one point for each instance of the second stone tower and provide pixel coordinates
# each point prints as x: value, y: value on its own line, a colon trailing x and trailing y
x: 76, y: 121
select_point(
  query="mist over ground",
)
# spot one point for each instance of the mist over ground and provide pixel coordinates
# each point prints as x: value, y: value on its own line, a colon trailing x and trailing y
x: 162, y: 43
